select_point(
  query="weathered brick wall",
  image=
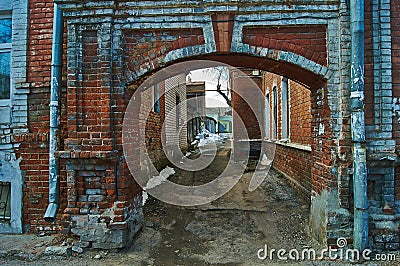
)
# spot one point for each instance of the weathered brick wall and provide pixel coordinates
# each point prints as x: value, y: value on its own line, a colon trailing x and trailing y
x: 295, y: 163
x: 322, y: 143
x: 99, y: 181
x: 369, y: 65
x: 395, y: 32
x: 243, y: 84
x: 300, y: 117
x: 40, y: 39
x: 293, y: 160
x: 145, y: 47
x: 34, y: 151
x: 300, y: 113
x: 34, y: 148
x: 382, y: 127
x: 151, y: 124
x: 146, y: 36
x: 307, y: 41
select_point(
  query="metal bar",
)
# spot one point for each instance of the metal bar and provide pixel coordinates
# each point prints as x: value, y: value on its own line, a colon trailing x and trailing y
x: 5, y: 188
x: 8, y: 198
x: 56, y: 68
x: 1, y: 197
x: 358, y: 125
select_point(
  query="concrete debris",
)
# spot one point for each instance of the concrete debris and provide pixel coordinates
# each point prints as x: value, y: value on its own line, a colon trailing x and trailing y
x: 82, y: 244
x: 77, y: 249
x: 64, y: 251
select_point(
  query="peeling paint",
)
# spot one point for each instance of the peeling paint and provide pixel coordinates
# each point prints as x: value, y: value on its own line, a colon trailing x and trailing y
x: 357, y: 94
x: 396, y: 108
x: 321, y: 129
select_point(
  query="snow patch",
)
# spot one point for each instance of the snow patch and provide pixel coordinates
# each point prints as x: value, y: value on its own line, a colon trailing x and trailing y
x: 145, y: 196
x: 209, y: 138
x: 162, y: 177
x: 265, y: 160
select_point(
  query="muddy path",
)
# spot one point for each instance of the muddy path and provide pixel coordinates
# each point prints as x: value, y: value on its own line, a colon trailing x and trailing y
x: 227, y: 231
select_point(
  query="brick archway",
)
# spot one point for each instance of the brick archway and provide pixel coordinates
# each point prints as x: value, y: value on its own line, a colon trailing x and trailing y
x: 312, y: 75
x: 126, y: 42
x: 284, y: 63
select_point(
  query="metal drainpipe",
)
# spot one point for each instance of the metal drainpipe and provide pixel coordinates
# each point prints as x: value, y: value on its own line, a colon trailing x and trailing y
x: 358, y: 125
x: 56, y: 64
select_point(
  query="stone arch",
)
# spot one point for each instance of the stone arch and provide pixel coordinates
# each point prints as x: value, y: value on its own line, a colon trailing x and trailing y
x: 298, y: 68
x: 218, y: 38
x: 280, y: 62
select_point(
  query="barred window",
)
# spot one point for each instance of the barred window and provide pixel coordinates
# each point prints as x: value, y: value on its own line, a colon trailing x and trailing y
x: 5, y: 201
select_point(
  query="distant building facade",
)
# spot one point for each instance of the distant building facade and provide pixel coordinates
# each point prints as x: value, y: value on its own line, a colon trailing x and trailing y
x: 196, y: 108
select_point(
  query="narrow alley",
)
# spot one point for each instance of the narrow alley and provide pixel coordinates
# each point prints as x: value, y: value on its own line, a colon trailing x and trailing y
x: 228, y: 231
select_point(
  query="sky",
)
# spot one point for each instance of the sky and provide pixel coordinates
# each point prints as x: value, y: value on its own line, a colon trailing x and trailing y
x: 213, y: 98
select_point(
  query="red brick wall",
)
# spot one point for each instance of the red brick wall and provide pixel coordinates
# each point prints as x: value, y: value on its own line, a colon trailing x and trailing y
x: 295, y: 163
x: 34, y: 149
x: 300, y: 117
x: 39, y: 42
x: 395, y: 21
x: 292, y: 161
x: 309, y: 42
x: 145, y: 46
x: 300, y: 113
x: 151, y: 124
x: 223, y: 27
x: 321, y: 144
x: 369, y: 65
x: 243, y: 85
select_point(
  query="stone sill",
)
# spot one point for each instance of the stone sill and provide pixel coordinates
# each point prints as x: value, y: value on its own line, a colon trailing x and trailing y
x: 86, y: 154
x: 385, y: 217
x: 388, y: 157
x: 302, y: 147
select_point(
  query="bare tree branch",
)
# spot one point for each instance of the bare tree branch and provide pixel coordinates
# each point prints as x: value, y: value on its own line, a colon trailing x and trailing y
x: 228, y: 101
x: 220, y: 73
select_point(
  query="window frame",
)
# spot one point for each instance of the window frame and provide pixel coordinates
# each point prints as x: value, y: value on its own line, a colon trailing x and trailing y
x: 156, y: 98
x: 285, y: 115
x: 267, y: 116
x: 178, y: 111
x: 7, y: 48
x: 275, y: 112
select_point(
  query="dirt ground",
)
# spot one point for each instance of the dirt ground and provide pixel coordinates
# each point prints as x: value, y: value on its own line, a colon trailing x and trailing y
x: 228, y: 231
